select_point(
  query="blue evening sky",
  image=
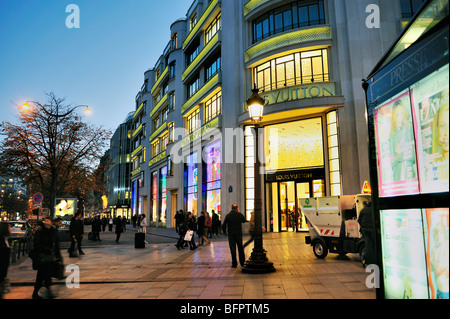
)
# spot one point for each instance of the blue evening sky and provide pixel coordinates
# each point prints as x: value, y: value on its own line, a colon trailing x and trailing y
x: 101, y: 64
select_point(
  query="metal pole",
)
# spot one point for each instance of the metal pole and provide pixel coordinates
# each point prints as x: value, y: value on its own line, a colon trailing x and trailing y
x: 258, y: 262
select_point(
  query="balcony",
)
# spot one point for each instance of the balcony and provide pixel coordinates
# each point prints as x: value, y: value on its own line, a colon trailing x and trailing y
x: 160, y: 79
x: 292, y: 38
x: 205, y: 89
x: 201, y: 22
x: 202, y: 55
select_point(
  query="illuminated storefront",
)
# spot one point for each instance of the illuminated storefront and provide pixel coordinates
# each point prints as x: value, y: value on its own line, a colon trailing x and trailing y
x: 212, y: 177
x: 407, y: 97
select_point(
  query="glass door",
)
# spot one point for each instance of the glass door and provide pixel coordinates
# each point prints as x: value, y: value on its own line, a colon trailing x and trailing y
x: 303, y: 191
x: 287, y: 206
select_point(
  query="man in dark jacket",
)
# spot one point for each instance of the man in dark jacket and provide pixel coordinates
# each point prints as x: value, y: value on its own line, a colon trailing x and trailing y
x: 233, y: 221
x: 76, y: 231
x: 46, y: 243
x: 365, y: 221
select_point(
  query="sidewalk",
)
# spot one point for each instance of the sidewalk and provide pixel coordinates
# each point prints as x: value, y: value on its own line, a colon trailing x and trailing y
x: 160, y: 270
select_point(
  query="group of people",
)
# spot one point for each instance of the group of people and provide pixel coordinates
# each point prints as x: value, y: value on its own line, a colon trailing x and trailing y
x: 204, y: 225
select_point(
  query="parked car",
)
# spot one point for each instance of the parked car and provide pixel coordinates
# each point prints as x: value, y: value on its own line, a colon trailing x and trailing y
x: 20, y: 229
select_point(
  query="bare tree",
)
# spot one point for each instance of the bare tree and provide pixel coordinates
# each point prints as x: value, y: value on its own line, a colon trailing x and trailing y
x: 52, y: 149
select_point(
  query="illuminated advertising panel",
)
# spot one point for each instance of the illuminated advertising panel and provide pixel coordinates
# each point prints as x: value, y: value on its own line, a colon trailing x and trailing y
x: 296, y: 144
x: 430, y: 100
x: 191, y: 183
x: 394, y: 138
x: 65, y: 206
x: 213, y: 176
x: 163, y: 190
x: 437, y: 251
x: 404, y: 267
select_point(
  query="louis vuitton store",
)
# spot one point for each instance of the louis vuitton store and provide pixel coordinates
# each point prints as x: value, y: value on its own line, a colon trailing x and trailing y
x: 301, y: 160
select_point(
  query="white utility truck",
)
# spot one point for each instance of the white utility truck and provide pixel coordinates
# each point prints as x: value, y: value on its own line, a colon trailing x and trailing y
x: 333, y: 224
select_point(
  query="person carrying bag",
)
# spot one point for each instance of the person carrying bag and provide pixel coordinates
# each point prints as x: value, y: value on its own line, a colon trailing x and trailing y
x: 45, y: 256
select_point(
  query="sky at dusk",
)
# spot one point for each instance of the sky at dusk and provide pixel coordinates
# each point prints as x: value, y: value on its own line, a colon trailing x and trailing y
x: 100, y: 64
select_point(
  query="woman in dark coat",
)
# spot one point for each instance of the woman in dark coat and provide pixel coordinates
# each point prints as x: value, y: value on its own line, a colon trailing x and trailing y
x: 5, y: 250
x: 119, y: 228
x: 201, y: 229
x: 192, y: 225
x: 45, y: 243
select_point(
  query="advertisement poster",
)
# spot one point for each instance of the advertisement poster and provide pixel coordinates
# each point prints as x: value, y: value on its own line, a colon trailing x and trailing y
x: 65, y: 206
x: 191, y: 183
x: 213, y: 176
x: 394, y: 136
x: 404, y: 266
x: 430, y: 100
x: 437, y: 251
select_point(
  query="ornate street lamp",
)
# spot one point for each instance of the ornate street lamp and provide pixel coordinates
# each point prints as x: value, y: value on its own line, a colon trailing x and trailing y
x: 258, y: 262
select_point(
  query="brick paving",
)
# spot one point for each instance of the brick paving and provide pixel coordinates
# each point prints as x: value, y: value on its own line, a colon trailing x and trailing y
x: 160, y: 271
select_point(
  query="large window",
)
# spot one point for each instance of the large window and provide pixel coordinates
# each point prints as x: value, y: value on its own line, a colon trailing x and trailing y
x: 212, y: 29
x: 293, y: 69
x: 193, y: 86
x: 292, y: 16
x: 191, y: 183
x: 292, y: 145
x: 213, y: 67
x: 410, y: 7
x: 212, y: 179
x: 193, y: 121
x: 163, y: 194
x: 154, y: 196
x: 213, y: 107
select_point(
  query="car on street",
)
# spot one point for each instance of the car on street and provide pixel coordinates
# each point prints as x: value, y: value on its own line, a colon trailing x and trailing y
x: 20, y: 230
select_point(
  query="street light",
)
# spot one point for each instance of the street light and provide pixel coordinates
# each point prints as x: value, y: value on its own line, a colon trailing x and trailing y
x: 26, y: 107
x: 258, y: 262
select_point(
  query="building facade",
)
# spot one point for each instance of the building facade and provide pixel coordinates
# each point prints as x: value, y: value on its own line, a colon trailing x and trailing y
x: 119, y: 189
x: 192, y: 143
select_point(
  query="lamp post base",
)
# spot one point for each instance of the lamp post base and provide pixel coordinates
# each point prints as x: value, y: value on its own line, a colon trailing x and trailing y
x: 258, y: 263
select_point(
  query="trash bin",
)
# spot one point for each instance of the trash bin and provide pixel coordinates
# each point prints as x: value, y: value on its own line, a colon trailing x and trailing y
x: 139, y: 240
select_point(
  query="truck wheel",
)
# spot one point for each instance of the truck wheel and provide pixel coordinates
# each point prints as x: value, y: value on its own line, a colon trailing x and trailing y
x: 320, y: 249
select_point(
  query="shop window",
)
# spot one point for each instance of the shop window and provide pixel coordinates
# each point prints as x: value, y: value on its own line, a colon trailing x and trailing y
x: 212, y: 178
x: 191, y: 183
x: 163, y: 195
x: 333, y: 153
x: 249, y: 170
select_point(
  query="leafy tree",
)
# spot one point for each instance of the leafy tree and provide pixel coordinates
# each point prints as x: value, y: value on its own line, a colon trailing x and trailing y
x: 52, y: 149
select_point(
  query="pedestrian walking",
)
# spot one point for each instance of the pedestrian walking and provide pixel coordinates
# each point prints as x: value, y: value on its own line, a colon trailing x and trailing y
x: 202, y: 230
x: 119, y: 228
x: 192, y: 225
x: 133, y: 219
x: 45, y: 255
x: 251, y: 229
x: 365, y: 221
x: 104, y: 222
x: 233, y: 226
x: 182, y: 229
x: 96, y: 227
x: 208, y: 225
x: 215, y: 223
x: 76, y: 232
x: 179, y: 220
x: 5, y: 253
x: 143, y: 226
x: 110, y: 224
